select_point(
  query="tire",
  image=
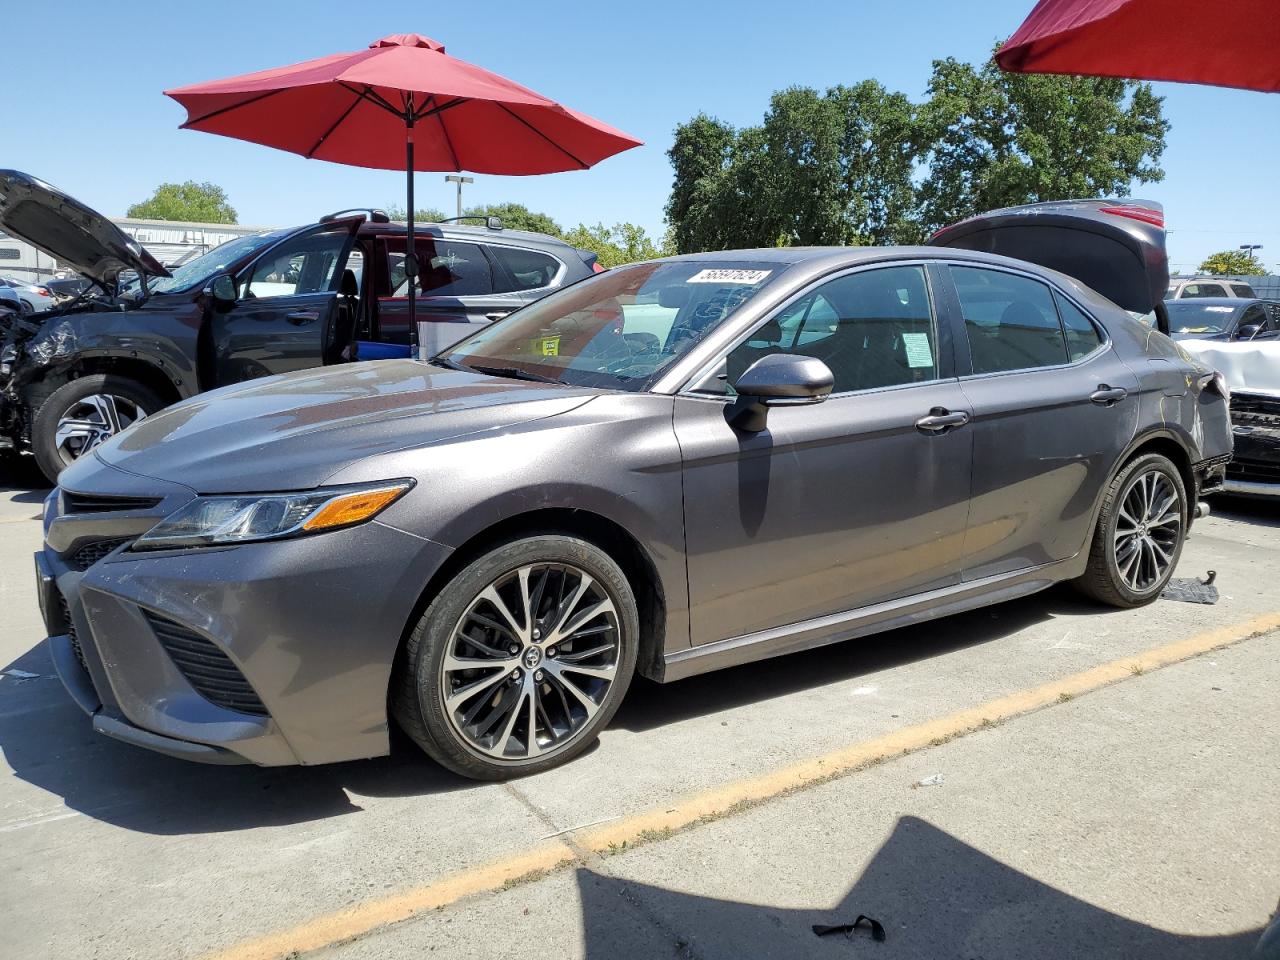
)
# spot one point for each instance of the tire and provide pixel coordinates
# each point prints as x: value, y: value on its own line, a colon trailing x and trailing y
x: 486, y: 736
x: 28, y: 307
x: 1116, y: 577
x: 128, y: 399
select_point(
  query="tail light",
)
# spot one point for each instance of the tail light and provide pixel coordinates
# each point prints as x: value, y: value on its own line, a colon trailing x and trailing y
x: 596, y: 268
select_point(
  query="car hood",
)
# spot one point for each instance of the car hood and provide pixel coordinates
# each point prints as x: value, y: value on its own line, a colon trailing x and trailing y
x: 73, y: 234
x: 292, y: 432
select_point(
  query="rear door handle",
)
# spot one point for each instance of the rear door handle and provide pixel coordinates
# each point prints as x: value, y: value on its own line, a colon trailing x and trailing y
x: 299, y: 317
x: 940, y: 420
x: 1106, y: 395
x: 496, y: 315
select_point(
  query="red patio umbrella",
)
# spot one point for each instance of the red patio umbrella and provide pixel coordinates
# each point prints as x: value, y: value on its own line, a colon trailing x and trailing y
x: 402, y: 102
x: 1231, y: 43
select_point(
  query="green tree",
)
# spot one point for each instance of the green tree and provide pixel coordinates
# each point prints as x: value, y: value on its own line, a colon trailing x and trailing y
x: 516, y: 216
x: 196, y: 202
x: 993, y: 139
x: 1228, y: 263
x: 398, y: 212
x: 822, y: 168
x: 616, y: 245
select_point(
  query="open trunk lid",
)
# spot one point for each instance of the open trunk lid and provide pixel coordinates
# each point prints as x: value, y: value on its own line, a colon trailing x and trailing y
x: 73, y: 234
x: 1115, y: 247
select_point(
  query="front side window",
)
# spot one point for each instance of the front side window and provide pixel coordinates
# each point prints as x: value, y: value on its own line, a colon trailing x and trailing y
x: 619, y: 329
x: 873, y: 329
x: 523, y: 269
x: 306, y: 264
x: 1011, y: 320
x: 446, y: 268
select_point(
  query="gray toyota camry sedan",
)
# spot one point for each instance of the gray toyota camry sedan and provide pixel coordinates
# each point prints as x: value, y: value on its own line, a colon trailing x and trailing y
x: 665, y: 469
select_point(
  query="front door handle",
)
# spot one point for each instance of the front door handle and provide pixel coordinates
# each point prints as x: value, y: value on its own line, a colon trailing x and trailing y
x: 299, y: 317
x: 496, y: 315
x: 1106, y: 395
x: 940, y: 420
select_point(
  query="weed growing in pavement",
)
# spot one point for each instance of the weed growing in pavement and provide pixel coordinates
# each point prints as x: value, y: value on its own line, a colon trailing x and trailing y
x: 1136, y: 669
x: 1065, y: 697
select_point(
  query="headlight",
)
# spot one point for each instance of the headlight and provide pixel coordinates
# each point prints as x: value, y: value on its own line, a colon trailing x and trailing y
x: 209, y: 521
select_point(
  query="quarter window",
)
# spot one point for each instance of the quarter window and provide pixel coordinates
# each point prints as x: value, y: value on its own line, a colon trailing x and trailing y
x: 523, y: 269
x: 1082, y: 336
x: 874, y: 328
x: 1010, y: 320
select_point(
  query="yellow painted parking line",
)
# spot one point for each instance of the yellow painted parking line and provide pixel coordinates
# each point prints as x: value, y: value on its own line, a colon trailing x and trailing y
x: 348, y: 924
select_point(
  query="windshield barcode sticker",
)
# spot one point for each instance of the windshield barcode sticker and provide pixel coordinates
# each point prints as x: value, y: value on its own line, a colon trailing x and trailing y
x: 722, y: 275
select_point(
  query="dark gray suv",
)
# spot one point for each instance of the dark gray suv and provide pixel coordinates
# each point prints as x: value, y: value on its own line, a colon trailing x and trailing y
x: 325, y: 293
x: 669, y: 468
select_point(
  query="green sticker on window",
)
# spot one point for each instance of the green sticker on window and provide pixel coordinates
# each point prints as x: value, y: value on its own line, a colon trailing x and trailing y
x: 918, y: 352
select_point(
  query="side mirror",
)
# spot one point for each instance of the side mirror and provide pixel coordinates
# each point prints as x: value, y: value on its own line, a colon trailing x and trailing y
x: 1248, y: 331
x: 221, y: 290
x: 493, y: 223
x: 778, y: 380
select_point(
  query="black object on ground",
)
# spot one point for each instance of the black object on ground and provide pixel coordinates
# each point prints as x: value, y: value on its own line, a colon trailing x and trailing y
x: 848, y: 929
x: 1192, y: 589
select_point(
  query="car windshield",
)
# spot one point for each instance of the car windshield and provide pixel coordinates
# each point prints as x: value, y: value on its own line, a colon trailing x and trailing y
x: 218, y: 259
x: 1191, y: 318
x: 619, y: 329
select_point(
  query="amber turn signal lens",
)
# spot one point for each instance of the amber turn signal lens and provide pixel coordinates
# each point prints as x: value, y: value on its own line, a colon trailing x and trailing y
x: 353, y: 507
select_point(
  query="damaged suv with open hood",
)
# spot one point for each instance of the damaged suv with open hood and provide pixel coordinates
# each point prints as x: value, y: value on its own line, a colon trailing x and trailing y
x: 142, y: 337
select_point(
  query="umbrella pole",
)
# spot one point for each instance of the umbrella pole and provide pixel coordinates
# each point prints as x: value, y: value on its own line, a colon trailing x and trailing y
x: 410, y: 248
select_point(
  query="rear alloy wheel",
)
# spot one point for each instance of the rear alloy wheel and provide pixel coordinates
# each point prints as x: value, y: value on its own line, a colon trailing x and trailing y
x: 1141, y: 529
x: 521, y: 660
x: 84, y: 413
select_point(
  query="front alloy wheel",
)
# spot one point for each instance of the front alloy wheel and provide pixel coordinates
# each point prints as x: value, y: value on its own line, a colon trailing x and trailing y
x: 520, y: 661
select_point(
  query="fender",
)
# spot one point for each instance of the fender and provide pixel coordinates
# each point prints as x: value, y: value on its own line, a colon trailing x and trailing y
x: 165, y: 339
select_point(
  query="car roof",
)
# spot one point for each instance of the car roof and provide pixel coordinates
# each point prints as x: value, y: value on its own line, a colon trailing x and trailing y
x: 1213, y: 301
x: 462, y: 230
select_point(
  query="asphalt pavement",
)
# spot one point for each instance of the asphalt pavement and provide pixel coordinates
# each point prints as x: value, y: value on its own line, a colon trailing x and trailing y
x: 1118, y: 802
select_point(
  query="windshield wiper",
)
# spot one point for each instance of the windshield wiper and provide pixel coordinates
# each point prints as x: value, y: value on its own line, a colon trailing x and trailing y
x: 513, y: 373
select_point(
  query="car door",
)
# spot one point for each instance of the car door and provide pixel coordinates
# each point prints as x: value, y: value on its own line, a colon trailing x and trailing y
x: 456, y: 292
x: 834, y: 506
x: 286, y: 303
x: 1052, y: 409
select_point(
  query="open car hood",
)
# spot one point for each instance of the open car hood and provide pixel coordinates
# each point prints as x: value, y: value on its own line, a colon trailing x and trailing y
x: 1115, y: 247
x: 67, y: 230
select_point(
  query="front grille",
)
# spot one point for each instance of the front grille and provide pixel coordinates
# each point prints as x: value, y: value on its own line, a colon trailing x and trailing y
x: 71, y: 631
x: 1253, y: 410
x: 1253, y: 471
x: 92, y: 552
x: 209, y: 670
x: 91, y: 503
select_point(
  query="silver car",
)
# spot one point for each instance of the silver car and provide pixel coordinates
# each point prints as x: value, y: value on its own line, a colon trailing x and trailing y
x: 668, y: 468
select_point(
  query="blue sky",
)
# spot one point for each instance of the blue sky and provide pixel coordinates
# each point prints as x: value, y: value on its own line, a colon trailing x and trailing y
x: 85, y: 109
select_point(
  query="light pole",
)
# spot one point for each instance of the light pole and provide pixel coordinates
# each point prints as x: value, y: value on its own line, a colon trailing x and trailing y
x: 453, y: 178
x: 1250, y: 247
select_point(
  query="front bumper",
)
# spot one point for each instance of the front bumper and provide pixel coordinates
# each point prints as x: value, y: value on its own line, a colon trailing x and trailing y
x: 149, y: 644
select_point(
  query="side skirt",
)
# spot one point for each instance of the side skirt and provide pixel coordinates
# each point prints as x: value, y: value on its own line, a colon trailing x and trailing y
x: 849, y: 624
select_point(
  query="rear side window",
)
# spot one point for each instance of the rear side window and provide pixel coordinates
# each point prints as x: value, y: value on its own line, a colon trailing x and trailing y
x: 1203, y: 290
x: 446, y: 268
x: 522, y: 269
x: 1082, y: 336
x: 1011, y: 320
x: 1242, y: 290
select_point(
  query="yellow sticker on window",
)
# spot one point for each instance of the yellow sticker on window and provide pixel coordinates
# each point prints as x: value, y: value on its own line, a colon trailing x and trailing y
x: 547, y: 346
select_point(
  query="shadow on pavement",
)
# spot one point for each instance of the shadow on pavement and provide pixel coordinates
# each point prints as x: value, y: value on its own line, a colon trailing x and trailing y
x: 935, y: 895
x: 1261, y: 511
x: 649, y: 705
x: 49, y: 742
x: 21, y: 477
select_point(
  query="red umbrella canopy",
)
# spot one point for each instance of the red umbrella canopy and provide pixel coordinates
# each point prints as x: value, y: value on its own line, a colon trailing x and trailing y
x: 1232, y: 43
x: 353, y: 108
